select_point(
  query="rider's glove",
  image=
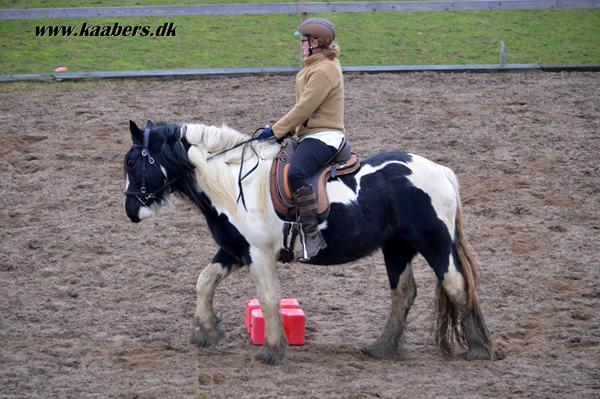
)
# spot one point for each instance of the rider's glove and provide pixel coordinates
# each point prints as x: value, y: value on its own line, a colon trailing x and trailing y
x: 267, y: 133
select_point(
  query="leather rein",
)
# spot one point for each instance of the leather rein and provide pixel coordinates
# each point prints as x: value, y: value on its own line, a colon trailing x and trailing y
x: 253, y: 137
x: 143, y: 196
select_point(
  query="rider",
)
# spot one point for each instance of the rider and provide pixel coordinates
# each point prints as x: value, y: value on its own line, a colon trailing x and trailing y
x: 317, y: 119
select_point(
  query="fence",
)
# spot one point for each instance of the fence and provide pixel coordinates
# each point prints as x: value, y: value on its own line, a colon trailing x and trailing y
x: 302, y: 8
x: 293, y: 8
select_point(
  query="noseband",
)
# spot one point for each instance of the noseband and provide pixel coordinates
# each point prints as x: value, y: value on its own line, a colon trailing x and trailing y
x: 142, y: 195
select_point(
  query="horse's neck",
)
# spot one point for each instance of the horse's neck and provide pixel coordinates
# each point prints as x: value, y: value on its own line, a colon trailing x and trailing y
x: 212, y: 138
x: 217, y: 176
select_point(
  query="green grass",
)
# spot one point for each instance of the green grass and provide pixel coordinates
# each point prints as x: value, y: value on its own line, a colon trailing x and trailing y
x: 547, y: 37
x: 105, y: 3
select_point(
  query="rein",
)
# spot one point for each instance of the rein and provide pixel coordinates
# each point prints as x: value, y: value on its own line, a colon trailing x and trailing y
x: 143, y: 196
x: 241, y: 178
x: 238, y: 145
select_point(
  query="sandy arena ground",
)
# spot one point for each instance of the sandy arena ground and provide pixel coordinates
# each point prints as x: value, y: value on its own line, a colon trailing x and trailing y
x: 95, y: 306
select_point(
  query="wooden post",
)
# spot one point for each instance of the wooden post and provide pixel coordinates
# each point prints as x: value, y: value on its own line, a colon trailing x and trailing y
x: 303, y: 17
x: 502, y: 54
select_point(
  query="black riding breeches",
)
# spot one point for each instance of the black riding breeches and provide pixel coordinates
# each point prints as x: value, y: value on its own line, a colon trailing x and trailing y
x: 309, y: 157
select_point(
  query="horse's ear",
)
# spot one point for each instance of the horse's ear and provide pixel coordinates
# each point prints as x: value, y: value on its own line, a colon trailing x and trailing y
x: 149, y: 124
x: 136, y: 134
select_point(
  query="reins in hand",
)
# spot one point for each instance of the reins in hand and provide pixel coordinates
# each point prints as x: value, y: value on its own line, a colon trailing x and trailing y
x: 241, y: 178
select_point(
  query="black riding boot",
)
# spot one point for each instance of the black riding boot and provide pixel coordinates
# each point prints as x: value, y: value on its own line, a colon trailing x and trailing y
x: 306, y: 201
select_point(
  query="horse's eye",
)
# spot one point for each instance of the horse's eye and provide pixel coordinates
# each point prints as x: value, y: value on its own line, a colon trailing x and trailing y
x: 130, y: 163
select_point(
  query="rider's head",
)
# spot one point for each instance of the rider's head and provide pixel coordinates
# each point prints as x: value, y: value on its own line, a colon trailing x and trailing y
x: 317, y: 35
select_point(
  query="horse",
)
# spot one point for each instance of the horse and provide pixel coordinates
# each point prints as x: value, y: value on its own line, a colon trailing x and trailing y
x: 400, y: 202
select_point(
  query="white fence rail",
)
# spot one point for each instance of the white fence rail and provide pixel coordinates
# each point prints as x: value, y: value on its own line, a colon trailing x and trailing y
x: 292, y: 8
x: 223, y: 72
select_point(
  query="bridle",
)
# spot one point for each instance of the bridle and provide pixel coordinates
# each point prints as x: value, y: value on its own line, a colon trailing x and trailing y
x: 142, y: 195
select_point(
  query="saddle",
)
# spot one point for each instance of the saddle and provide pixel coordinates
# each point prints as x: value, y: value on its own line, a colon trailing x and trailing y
x: 343, y: 162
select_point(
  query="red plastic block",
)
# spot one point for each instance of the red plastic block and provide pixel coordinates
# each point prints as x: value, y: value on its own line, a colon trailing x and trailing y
x: 289, y: 303
x: 286, y: 303
x: 293, y: 321
x: 250, y: 306
x: 257, y: 328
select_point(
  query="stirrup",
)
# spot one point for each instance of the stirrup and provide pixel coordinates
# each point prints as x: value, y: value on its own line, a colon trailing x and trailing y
x: 303, y: 257
x: 310, y: 235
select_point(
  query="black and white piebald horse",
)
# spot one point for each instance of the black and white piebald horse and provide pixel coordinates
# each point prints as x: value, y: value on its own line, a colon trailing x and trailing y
x: 399, y: 202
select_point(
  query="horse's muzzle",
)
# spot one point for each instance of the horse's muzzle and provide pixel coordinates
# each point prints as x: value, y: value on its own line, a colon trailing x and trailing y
x: 132, y: 208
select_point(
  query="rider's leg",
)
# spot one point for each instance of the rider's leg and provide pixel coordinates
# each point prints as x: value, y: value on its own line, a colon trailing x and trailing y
x: 310, y: 155
x: 307, y: 214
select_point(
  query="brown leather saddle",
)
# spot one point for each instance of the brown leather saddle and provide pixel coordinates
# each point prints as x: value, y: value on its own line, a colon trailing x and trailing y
x: 343, y: 162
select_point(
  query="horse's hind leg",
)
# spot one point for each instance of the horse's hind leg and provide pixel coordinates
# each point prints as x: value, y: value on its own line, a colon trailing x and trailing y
x: 472, y: 325
x: 206, y: 330
x: 397, y: 256
x: 459, y: 317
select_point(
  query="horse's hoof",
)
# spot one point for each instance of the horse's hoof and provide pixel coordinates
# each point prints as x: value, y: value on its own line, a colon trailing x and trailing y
x: 271, y: 355
x: 478, y: 353
x: 204, y: 337
x: 378, y: 351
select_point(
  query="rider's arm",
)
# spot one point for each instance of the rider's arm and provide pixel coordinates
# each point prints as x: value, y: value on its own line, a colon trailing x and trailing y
x: 315, y: 91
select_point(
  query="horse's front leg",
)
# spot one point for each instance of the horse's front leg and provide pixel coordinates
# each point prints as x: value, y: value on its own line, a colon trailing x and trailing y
x: 267, y: 284
x: 206, y: 330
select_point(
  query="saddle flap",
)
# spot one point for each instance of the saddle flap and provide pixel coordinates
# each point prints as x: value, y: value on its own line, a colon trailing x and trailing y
x: 286, y: 181
x: 327, y: 173
x: 344, y: 162
x: 281, y: 193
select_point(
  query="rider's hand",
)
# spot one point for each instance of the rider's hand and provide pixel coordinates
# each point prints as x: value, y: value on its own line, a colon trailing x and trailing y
x: 267, y: 133
x: 280, y: 140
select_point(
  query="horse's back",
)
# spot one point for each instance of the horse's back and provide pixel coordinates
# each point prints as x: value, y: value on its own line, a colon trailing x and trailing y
x: 423, y: 173
x: 394, y: 187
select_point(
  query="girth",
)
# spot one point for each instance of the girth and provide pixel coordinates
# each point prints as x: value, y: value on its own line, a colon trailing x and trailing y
x: 342, y: 163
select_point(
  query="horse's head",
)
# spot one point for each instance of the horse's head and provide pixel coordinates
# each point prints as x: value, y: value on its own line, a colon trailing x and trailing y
x: 147, y: 179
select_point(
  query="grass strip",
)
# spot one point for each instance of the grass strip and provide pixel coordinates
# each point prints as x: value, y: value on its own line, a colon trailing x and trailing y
x: 387, y: 38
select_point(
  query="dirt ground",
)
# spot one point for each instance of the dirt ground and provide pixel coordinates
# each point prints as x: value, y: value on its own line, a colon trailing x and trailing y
x: 92, y: 305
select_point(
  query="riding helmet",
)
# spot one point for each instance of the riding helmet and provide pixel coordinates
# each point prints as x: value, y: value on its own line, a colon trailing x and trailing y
x: 319, y: 28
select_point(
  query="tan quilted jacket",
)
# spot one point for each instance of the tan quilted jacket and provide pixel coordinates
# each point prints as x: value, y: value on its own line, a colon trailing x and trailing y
x: 319, y: 99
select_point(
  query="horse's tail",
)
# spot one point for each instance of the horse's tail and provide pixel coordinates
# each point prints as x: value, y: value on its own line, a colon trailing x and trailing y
x: 461, y: 323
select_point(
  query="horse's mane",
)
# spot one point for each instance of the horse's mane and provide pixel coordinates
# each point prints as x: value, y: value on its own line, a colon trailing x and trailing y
x: 213, y: 172
x: 214, y: 139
